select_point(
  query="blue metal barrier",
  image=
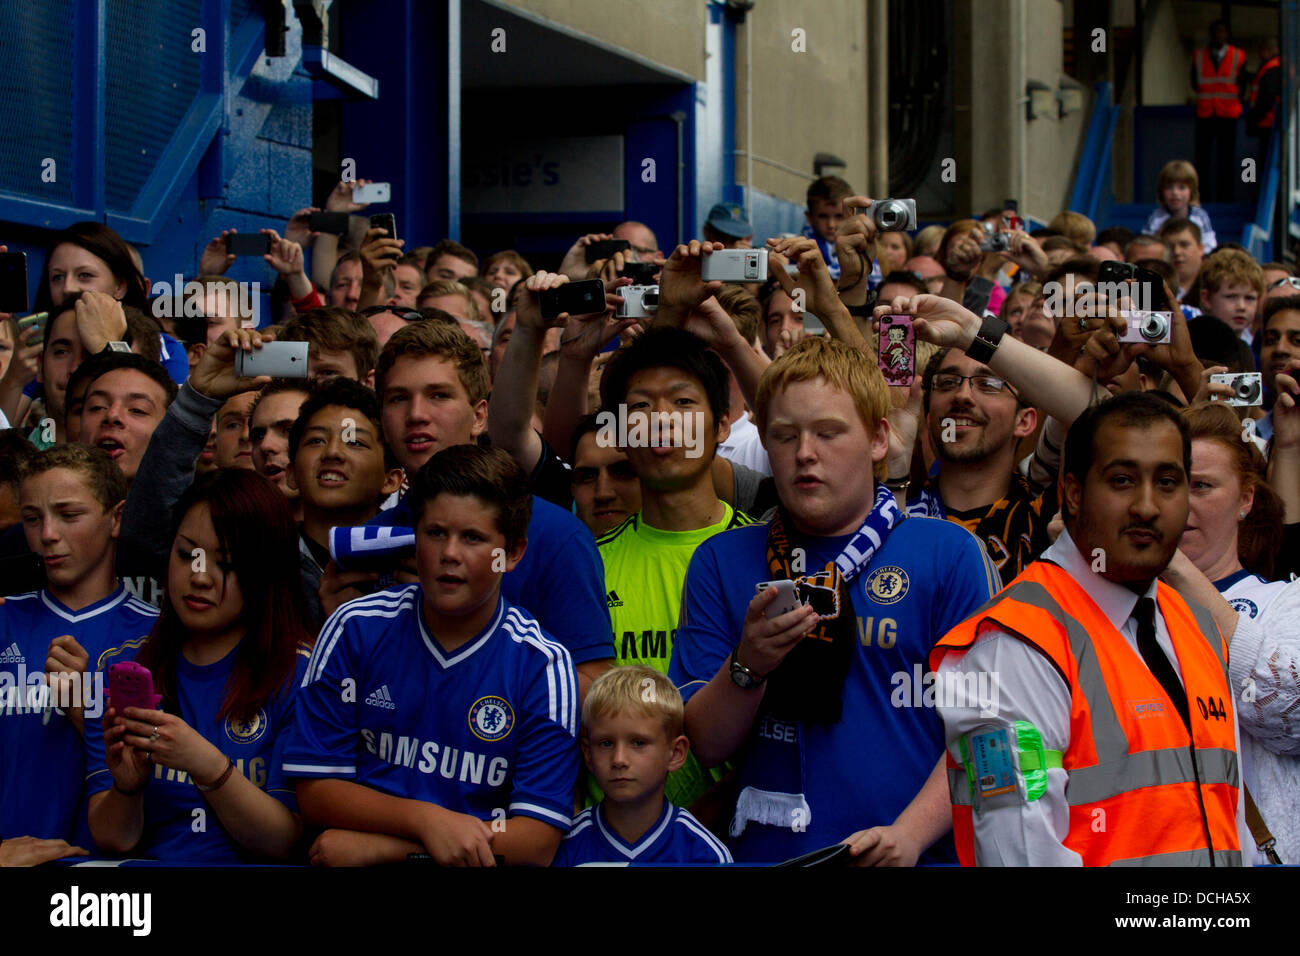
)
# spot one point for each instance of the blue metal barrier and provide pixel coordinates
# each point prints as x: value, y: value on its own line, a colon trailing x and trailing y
x: 1094, y: 165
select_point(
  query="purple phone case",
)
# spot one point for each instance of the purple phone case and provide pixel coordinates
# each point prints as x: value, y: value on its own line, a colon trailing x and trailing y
x: 131, y: 685
x: 897, y: 349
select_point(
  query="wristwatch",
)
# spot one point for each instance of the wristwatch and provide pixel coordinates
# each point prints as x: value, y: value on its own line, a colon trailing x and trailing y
x: 117, y: 347
x: 987, y: 339
x: 742, y: 676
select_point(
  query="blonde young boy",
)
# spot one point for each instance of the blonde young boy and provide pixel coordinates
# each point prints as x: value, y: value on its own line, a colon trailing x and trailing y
x: 1232, y: 284
x: 631, y: 740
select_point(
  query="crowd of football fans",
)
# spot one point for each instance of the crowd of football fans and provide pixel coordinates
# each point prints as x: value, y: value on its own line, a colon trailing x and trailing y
x: 480, y: 586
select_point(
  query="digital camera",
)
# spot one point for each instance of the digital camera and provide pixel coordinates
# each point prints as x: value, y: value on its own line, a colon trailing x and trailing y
x: 893, y: 215
x: 1146, y: 328
x: 639, y: 301
x: 735, y: 265
x: 996, y: 242
x: 1247, y: 388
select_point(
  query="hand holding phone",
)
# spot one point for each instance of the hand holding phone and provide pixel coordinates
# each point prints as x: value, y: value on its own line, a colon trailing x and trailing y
x: 276, y: 359
x: 604, y: 248
x: 787, y: 597
x: 333, y: 223
x: 248, y: 244
x: 897, y: 349
x: 372, y: 192
x: 576, y: 298
x: 131, y: 685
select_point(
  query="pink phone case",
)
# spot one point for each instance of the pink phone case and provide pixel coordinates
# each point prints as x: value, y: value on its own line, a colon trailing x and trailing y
x: 131, y: 685
x: 897, y: 349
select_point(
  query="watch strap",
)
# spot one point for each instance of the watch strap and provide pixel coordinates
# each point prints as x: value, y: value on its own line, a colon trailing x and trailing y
x: 987, y: 339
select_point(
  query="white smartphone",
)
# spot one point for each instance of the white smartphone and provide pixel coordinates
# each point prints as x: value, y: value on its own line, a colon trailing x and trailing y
x: 276, y: 359
x: 372, y: 192
x: 787, y: 597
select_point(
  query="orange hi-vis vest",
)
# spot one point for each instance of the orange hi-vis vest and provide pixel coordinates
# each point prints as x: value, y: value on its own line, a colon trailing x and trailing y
x: 1267, y: 120
x: 1141, y: 791
x: 1216, y: 88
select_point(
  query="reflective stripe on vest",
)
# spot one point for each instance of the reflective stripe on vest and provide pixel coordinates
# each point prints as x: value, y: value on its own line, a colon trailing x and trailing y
x: 1196, y: 777
x: 1216, y: 88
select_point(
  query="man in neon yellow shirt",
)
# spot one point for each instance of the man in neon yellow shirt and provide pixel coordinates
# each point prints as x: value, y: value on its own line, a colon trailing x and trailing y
x: 664, y: 402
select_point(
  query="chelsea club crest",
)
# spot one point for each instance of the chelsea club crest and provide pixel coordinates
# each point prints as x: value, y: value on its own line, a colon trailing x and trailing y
x: 247, y: 731
x: 490, y: 718
x: 887, y: 585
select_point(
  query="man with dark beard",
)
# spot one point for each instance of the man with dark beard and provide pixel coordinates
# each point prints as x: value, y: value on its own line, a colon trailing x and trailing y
x: 975, y: 420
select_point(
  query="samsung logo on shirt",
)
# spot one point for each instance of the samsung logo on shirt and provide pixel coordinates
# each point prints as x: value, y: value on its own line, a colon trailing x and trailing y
x: 430, y: 757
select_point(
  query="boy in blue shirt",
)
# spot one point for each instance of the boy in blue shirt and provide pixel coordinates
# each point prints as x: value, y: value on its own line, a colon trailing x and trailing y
x: 71, y: 501
x: 439, y: 718
x: 818, y: 697
x: 631, y: 740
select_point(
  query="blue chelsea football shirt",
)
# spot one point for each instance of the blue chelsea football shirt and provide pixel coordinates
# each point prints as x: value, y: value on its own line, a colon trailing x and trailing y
x: 489, y: 730
x: 861, y: 772
x: 676, y: 837
x: 42, y: 759
x: 179, y: 826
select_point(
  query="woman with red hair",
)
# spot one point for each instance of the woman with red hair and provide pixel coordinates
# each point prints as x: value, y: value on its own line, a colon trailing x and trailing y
x: 198, y: 778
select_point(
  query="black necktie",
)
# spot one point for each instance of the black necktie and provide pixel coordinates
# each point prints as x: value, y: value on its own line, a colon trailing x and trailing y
x: 1156, y: 659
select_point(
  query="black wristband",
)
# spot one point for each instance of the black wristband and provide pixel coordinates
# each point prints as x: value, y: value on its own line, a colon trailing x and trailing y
x: 863, y: 311
x: 987, y: 339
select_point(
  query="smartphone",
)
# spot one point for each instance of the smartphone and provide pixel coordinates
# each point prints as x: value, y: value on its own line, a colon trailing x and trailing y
x: 335, y: 223
x: 276, y: 359
x: 604, y: 248
x: 21, y: 573
x: 37, y: 320
x: 575, y: 298
x: 897, y: 349
x: 248, y: 244
x: 131, y: 685
x: 372, y: 192
x: 1147, y: 287
x: 385, y: 221
x: 13, y: 282
x: 787, y: 597
x: 641, y: 273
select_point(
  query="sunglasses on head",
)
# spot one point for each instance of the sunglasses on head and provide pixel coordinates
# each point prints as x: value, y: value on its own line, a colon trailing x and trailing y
x: 1292, y: 281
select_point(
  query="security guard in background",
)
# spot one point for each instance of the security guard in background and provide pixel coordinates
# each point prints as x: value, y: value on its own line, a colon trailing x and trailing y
x: 1216, y: 76
x: 1263, y: 96
x: 1113, y: 736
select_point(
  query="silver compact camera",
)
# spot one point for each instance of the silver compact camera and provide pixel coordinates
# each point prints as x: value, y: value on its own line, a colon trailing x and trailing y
x: 1247, y: 387
x: 1146, y: 328
x: 893, y: 215
x: 735, y: 265
x: 639, y: 302
x: 996, y: 242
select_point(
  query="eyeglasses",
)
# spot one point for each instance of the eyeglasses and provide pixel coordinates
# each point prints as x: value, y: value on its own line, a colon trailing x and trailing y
x: 988, y: 384
x: 1292, y: 281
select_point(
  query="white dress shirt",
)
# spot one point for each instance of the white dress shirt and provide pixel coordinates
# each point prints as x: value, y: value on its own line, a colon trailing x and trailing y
x: 1013, y: 831
x: 744, y: 447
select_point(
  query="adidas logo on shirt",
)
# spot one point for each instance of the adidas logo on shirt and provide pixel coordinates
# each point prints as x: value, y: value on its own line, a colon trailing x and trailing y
x: 613, y: 599
x: 12, y: 655
x: 381, y: 698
